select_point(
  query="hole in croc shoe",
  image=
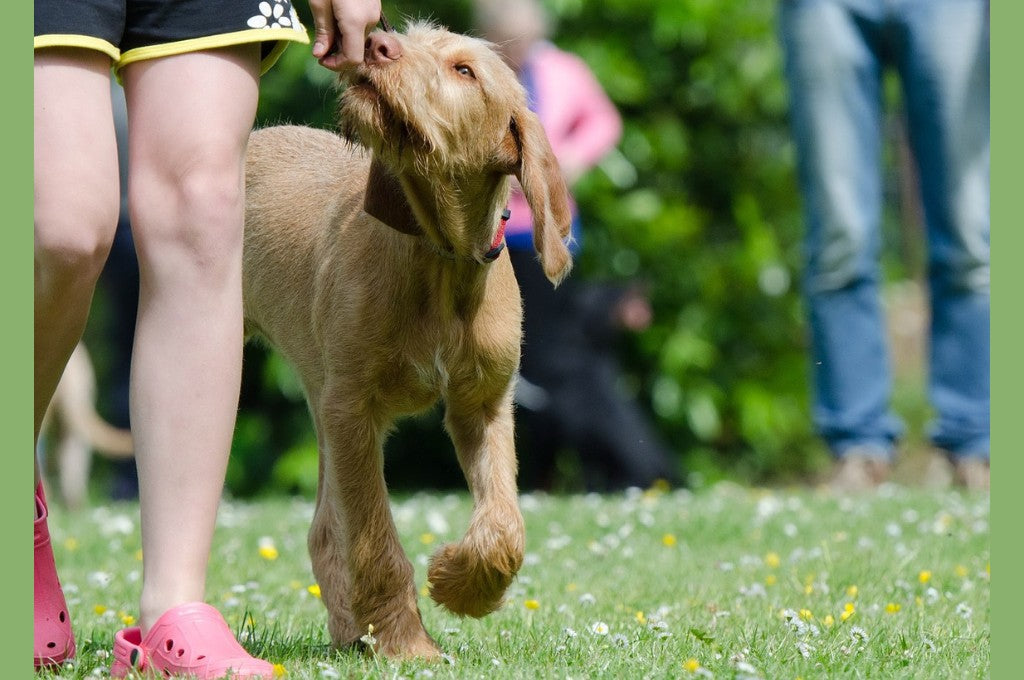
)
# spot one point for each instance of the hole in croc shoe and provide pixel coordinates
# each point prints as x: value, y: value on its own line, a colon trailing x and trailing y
x: 62, y: 616
x: 51, y: 645
x: 200, y: 657
x: 181, y: 652
x: 169, y: 645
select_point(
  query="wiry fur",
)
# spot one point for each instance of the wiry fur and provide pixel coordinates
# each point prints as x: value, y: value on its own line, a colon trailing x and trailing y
x: 383, y: 319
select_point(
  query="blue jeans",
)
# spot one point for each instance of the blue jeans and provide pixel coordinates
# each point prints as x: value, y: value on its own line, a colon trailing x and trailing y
x: 836, y: 51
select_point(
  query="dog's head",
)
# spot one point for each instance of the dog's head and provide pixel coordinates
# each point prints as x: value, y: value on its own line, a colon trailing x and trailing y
x: 439, y: 104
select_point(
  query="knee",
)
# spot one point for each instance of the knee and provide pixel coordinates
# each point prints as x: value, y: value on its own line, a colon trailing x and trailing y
x: 196, y: 215
x: 73, y: 237
x: 844, y: 257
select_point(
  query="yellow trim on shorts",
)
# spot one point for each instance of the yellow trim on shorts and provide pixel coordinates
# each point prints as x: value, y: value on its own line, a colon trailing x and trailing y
x: 71, y: 40
x: 281, y: 35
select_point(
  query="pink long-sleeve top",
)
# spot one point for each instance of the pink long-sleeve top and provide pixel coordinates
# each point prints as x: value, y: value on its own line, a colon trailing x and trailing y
x: 580, y: 120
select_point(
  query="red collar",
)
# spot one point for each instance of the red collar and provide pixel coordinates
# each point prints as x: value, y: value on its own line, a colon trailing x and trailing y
x: 498, y: 244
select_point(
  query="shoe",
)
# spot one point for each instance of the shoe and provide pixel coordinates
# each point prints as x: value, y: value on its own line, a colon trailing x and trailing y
x: 858, y: 472
x: 53, y: 642
x: 972, y: 473
x: 191, y: 639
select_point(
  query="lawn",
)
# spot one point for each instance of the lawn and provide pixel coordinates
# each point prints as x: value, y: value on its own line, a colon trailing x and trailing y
x: 727, y: 582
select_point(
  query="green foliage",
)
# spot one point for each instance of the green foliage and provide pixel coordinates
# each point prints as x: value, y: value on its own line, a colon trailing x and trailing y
x: 699, y: 202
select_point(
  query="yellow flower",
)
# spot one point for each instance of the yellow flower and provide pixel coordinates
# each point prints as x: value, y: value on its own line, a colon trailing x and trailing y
x: 828, y: 621
x: 71, y: 544
x: 138, y: 555
x: 425, y: 590
x: 668, y: 540
x: 770, y: 580
x: 532, y: 604
x: 571, y: 588
x: 851, y: 591
x: 295, y: 584
x: 426, y: 538
x: 691, y: 665
x: 808, y: 589
x: 806, y: 614
x: 279, y: 670
x: 848, y: 611
x: 126, y: 618
x: 99, y: 609
x: 268, y: 552
x: 960, y: 571
x: 772, y: 560
x: 640, y: 618
x: 314, y: 590
x: 892, y: 607
x: 925, y: 576
x: 919, y: 601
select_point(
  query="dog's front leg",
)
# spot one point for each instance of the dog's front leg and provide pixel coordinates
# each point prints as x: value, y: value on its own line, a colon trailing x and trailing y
x: 379, y: 578
x: 470, y: 577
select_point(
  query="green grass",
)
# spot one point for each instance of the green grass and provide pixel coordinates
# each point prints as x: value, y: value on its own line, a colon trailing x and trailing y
x: 623, y: 586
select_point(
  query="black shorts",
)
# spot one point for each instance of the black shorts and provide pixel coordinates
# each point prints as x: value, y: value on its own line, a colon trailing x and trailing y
x: 133, y: 30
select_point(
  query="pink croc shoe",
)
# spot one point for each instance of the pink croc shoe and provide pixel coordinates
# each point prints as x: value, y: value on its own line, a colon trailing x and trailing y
x: 52, y: 641
x: 192, y: 640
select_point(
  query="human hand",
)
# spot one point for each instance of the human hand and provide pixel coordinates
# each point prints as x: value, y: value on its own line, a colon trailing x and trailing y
x: 341, y: 30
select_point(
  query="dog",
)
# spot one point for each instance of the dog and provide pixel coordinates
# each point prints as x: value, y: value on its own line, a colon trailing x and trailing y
x: 74, y: 430
x: 373, y: 263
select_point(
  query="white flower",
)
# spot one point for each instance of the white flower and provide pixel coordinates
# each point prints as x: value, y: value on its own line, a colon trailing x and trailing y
x: 804, y: 649
x: 964, y: 610
x: 587, y: 598
x: 859, y: 634
x: 569, y: 632
x: 273, y: 15
x: 599, y: 628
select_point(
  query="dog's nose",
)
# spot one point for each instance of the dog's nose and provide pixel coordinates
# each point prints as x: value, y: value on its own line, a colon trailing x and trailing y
x: 380, y: 48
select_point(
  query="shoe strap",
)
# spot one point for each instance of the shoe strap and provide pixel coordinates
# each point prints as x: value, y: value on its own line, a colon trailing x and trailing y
x: 129, y: 654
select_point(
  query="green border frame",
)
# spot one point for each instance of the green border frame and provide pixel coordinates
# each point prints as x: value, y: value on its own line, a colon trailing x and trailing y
x: 1007, y: 150
x: 16, y: 343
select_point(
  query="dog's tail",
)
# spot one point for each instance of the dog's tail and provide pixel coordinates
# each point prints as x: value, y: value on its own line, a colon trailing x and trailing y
x: 470, y: 577
x: 74, y: 399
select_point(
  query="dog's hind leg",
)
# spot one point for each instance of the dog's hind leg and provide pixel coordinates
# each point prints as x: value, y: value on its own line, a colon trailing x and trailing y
x: 380, y: 589
x: 470, y: 577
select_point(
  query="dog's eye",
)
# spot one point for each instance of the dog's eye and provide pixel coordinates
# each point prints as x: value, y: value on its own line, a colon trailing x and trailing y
x: 464, y: 70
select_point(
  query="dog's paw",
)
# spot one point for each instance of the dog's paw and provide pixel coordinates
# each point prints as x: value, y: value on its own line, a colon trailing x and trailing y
x: 467, y: 585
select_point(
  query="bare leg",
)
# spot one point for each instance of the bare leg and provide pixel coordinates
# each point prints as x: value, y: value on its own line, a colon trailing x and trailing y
x: 76, y: 203
x: 189, y: 119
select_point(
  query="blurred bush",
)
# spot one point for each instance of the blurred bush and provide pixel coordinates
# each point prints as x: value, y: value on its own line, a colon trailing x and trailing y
x: 699, y: 202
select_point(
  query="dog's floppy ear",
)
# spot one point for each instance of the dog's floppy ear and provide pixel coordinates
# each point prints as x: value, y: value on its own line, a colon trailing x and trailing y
x: 536, y: 167
x: 385, y: 200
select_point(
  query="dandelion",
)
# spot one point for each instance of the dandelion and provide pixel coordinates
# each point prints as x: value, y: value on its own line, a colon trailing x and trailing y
x: 925, y: 576
x: 314, y: 590
x: 851, y: 592
x: 806, y: 614
x: 126, y: 618
x: 960, y: 571
x: 268, y: 552
x: 829, y: 621
x: 71, y: 544
x: 279, y: 670
x: 892, y: 607
x: 668, y: 540
x: 770, y: 580
x: 99, y: 609
x: 772, y: 560
x: 599, y: 628
x: 808, y: 589
x: 640, y: 618
x: 427, y: 538
x: 368, y: 639
x: 691, y: 665
x: 138, y: 555
x: 571, y: 587
x: 531, y: 604
x: 848, y: 611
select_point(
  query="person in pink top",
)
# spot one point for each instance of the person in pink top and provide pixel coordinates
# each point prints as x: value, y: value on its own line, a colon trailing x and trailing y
x: 569, y: 374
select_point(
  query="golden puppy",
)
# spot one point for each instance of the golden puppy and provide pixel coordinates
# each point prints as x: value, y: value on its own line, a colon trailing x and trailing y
x: 378, y: 273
